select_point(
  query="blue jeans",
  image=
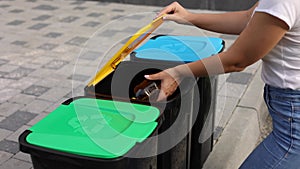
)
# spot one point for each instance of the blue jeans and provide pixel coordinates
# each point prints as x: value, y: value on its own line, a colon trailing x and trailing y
x: 281, y: 149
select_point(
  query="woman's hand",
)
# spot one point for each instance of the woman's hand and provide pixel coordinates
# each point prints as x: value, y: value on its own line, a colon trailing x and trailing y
x: 170, y: 79
x: 175, y: 12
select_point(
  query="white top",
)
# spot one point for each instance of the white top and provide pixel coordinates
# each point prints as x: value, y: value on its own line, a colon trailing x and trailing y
x: 281, y: 67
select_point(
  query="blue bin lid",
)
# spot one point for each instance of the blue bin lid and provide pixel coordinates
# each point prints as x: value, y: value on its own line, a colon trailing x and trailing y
x: 179, y: 48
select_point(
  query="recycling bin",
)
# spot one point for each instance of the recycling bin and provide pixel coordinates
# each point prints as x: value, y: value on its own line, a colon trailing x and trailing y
x: 89, y: 133
x: 167, y: 49
x: 119, y: 85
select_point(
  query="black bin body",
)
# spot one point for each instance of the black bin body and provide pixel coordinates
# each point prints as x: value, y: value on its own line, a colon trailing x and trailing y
x: 119, y: 86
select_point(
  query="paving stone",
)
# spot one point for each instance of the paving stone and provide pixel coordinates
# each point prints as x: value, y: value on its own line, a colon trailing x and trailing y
x: 77, y: 41
x: 16, y: 164
x: 9, y: 146
x: 55, y: 94
x: 8, y: 108
x: 19, y: 43
x: 53, y: 35
x: 22, y: 99
x: 15, y: 22
x: 4, y: 6
x: 8, y: 67
x: 79, y: 77
x: 38, y: 26
x: 35, y: 90
x: 4, y: 134
x: 16, y: 120
x: 15, y: 135
x: 4, y: 156
x: 136, y: 17
x: 42, y: 18
x: 46, y: 7
x: 77, y: 3
x: 55, y: 64
x: 116, y: 17
x: 37, y: 106
x: 16, y: 11
x: 48, y: 46
x: 117, y: 10
x: 22, y: 156
x: 239, y: 78
x: 69, y: 19
x: 8, y: 93
x: 18, y: 73
x: 5, y: 82
x: 81, y: 8
x: 130, y: 29
x: 90, y: 55
x: 94, y: 14
x: 109, y: 33
x: 91, y: 24
x: 3, y: 61
x: 217, y: 132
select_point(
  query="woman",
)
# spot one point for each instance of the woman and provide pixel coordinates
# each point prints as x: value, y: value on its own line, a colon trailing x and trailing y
x: 269, y: 31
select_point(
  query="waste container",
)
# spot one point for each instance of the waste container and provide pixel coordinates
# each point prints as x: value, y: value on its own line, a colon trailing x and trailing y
x: 88, y: 133
x: 168, y: 49
x: 119, y: 85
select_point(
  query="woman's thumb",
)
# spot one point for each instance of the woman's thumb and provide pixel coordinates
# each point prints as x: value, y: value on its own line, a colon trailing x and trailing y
x: 152, y: 77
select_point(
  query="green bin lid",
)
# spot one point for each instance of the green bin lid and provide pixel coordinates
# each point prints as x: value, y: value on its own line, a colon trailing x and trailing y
x: 95, y: 128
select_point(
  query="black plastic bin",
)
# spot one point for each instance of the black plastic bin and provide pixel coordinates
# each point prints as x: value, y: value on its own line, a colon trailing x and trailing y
x: 119, y: 86
x: 164, y: 49
x: 64, y: 139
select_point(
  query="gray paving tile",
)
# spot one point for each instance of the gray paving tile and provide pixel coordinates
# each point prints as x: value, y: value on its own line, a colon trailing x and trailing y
x: 15, y: 22
x: 7, y: 93
x: 239, y: 78
x: 77, y: 41
x: 42, y: 18
x: 15, y: 135
x: 109, y: 33
x: 22, y: 156
x: 116, y: 17
x: 38, y: 26
x: 35, y: 90
x: 80, y: 8
x: 69, y: 19
x: 19, y: 43
x: 48, y: 46
x: 136, y: 17
x: 9, y: 146
x: 31, y: 0
x: 4, y: 6
x: 4, y: 156
x: 77, y: 3
x: 18, y: 73
x: 55, y: 64
x: 91, y: 55
x: 3, y: 61
x: 94, y: 14
x: 37, y: 106
x: 16, y: 164
x: 46, y: 7
x: 79, y: 77
x: 4, y: 134
x: 117, y: 10
x: 91, y: 24
x: 16, y: 11
x: 8, y: 108
x: 53, y: 35
x: 16, y: 120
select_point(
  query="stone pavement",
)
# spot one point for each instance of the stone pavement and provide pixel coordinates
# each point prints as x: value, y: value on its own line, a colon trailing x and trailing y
x: 50, y: 49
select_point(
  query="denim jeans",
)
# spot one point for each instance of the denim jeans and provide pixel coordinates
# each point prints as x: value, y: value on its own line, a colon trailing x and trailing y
x: 281, y: 149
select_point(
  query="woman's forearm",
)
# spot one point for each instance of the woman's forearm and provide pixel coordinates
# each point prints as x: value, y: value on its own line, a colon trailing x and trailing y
x: 228, y: 23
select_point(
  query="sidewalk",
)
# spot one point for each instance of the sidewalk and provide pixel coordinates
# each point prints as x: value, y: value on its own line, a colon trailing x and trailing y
x: 47, y: 56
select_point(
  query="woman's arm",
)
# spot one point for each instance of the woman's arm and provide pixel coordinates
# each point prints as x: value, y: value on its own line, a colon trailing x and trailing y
x: 229, y: 22
x: 258, y: 38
